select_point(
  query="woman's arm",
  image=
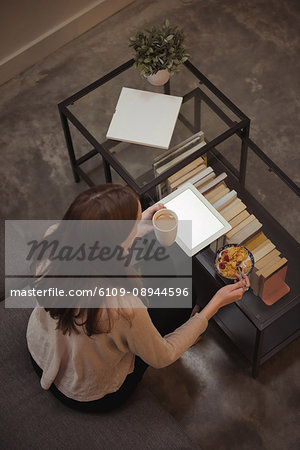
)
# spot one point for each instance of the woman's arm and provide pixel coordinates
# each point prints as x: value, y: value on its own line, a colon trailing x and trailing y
x: 145, y: 341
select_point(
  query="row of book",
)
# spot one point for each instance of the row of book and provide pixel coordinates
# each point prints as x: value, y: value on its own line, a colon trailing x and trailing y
x: 174, y: 156
x: 268, y: 276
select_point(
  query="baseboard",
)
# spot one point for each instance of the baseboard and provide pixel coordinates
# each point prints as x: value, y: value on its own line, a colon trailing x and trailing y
x: 47, y: 43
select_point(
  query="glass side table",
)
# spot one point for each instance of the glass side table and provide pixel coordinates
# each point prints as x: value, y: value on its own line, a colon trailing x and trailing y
x: 204, y: 108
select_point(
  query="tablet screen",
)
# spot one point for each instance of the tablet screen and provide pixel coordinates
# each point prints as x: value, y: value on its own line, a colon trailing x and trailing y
x: 188, y: 206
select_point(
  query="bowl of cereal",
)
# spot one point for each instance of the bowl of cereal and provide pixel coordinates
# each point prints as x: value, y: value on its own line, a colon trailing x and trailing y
x: 230, y: 258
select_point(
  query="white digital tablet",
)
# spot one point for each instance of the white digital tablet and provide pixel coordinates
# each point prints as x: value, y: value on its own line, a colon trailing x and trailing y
x: 199, y: 223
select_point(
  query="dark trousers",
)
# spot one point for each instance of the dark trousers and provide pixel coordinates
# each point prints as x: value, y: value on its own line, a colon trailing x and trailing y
x: 166, y: 321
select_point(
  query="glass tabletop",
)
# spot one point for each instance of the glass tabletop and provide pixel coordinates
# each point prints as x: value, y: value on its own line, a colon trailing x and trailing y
x: 201, y: 110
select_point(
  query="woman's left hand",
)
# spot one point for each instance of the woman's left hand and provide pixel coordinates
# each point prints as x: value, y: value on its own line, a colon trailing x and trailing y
x: 145, y: 224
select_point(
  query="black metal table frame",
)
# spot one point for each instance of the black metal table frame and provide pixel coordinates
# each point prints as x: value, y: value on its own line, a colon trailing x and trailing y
x: 103, y: 148
x: 241, y: 129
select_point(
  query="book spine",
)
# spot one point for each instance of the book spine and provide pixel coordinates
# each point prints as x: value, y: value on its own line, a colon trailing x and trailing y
x: 217, y: 192
x: 225, y: 200
x: 197, y: 164
x: 202, y: 177
x: 185, y: 178
x: 244, y: 234
x: 240, y: 226
x: 260, y: 252
x: 213, y: 183
x: 232, y: 210
x: 178, y: 149
x: 239, y: 218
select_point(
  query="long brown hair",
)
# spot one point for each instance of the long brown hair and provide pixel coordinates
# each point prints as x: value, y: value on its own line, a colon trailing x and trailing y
x: 103, y: 202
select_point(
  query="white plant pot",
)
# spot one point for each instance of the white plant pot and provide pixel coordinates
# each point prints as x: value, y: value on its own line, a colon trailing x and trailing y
x: 159, y: 78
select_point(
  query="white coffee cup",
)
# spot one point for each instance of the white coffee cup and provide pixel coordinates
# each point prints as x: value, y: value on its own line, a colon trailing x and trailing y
x: 165, y: 224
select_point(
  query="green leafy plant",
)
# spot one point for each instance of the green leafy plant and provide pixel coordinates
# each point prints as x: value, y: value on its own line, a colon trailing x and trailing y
x: 159, y: 48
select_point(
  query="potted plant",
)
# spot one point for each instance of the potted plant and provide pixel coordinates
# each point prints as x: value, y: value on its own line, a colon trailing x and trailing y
x: 159, y: 52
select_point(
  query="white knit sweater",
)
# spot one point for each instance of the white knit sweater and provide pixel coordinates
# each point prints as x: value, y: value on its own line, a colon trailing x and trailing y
x: 87, y: 368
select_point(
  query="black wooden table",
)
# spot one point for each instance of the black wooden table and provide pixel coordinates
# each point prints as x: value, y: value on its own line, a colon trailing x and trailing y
x: 258, y: 330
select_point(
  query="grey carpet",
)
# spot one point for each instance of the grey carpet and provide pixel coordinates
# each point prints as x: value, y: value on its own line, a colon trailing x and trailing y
x: 33, y: 418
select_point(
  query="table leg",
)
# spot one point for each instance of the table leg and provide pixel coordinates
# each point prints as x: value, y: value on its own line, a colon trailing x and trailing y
x: 197, y: 113
x: 68, y: 138
x: 107, y: 171
x: 145, y: 201
x: 257, y: 353
x: 244, y: 154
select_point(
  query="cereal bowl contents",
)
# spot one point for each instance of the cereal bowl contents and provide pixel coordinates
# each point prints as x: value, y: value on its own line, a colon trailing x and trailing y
x: 232, y: 256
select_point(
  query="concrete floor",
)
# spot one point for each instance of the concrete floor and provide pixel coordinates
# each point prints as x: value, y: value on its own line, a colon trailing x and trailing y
x: 250, y: 50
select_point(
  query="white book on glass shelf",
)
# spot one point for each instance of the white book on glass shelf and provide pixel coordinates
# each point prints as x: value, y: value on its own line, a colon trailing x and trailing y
x: 145, y: 118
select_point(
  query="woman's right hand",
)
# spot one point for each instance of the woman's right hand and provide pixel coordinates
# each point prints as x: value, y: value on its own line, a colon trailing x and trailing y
x: 232, y: 292
x: 226, y: 295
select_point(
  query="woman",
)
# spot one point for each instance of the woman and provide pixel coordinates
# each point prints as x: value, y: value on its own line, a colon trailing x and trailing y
x: 92, y: 359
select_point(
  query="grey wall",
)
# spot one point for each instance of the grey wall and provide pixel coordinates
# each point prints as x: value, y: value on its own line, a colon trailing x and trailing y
x: 32, y: 29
